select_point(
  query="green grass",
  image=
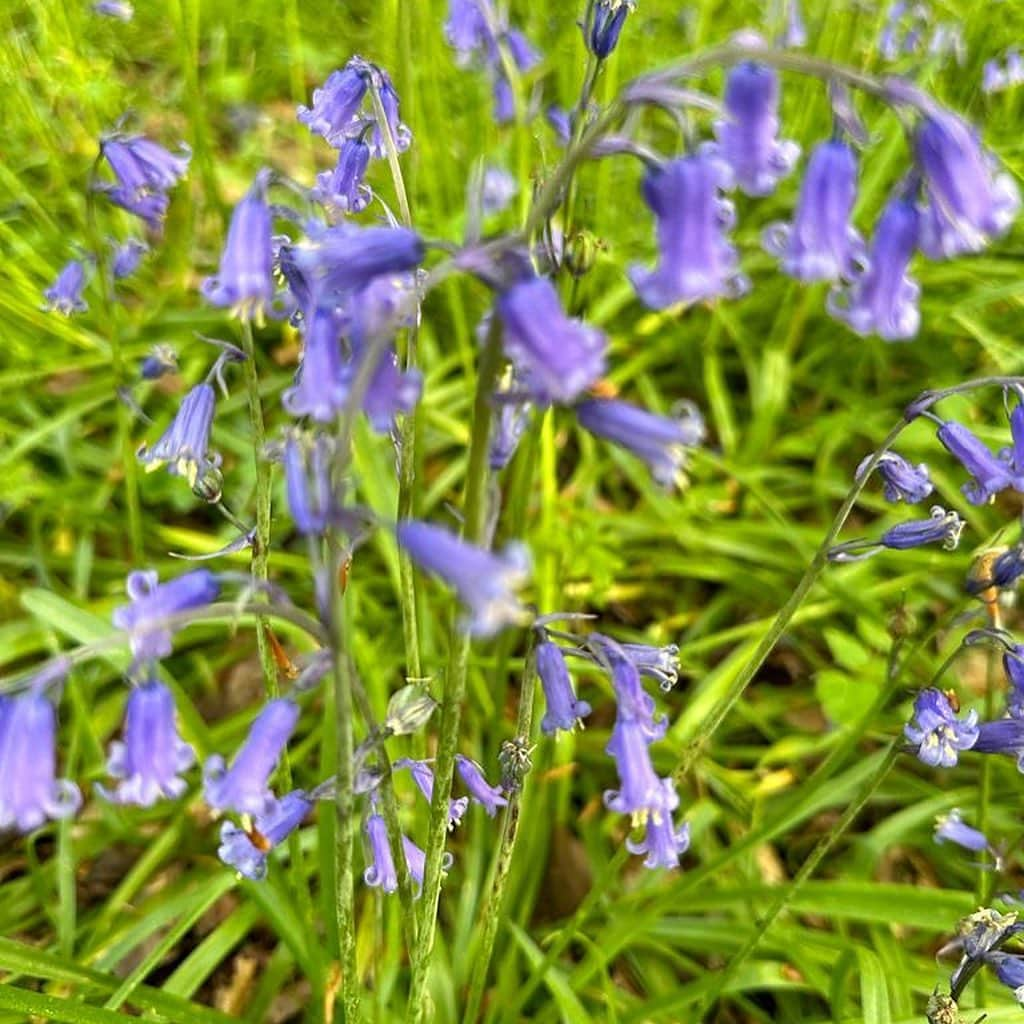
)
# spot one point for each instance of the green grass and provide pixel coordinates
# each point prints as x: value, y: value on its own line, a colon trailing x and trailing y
x: 125, y: 912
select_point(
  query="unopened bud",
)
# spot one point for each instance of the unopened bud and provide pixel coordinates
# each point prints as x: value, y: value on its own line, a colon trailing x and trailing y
x: 408, y: 710
x: 209, y: 484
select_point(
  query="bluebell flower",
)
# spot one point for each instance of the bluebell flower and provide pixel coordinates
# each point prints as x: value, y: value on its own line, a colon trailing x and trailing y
x: 246, y: 851
x: 524, y: 55
x: 821, y: 244
x: 466, y: 29
x: 605, y: 19
x: 937, y: 732
x: 152, y: 756
x: 343, y: 259
x: 498, y: 189
x: 663, y: 842
x: 697, y: 261
x: 507, y: 428
x: 661, y: 441
x: 381, y: 872
x: 391, y: 390
x: 882, y: 298
x: 991, y: 473
x: 162, y: 359
x: 30, y: 792
x: 489, y: 797
x: 974, y: 201
x: 1002, y: 736
x: 796, y: 30
x: 1013, y: 664
x: 244, y: 786
x: 423, y: 776
x: 902, y: 480
x: 343, y: 189
x: 633, y: 703
x: 244, y: 282
x: 486, y: 582
x: 381, y: 307
x: 993, y: 78
x: 556, y: 358
x: 150, y: 207
x: 1010, y: 971
x: 660, y: 663
x: 65, y: 294
x: 120, y: 9
x: 950, y: 828
x: 183, y: 445
x: 142, y: 166
x: 902, y: 31
x: 416, y: 860
x: 307, y: 475
x: 748, y: 134
x: 319, y: 391
x: 1003, y: 571
x: 641, y: 792
x: 999, y: 74
x: 399, y: 132
x: 152, y: 603
x: 337, y: 102
x: 940, y: 527
x: 563, y: 709
x: 127, y: 258
x: 560, y: 122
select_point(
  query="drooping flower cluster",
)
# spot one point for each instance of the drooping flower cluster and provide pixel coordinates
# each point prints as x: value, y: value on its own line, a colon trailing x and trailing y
x: 479, y: 36
x: 357, y: 111
x: 1000, y: 74
x: 380, y: 872
x: 144, y: 172
x: 649, y: 799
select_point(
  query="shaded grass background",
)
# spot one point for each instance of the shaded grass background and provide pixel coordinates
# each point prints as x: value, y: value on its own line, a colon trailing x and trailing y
x: 125, y: 910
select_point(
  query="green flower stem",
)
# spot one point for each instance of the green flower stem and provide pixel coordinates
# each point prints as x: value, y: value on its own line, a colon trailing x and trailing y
x: 261, y: 540
x: 111, y: 315
x: 344, y: 852
x: 475, y: 512
x: 492, y: 911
